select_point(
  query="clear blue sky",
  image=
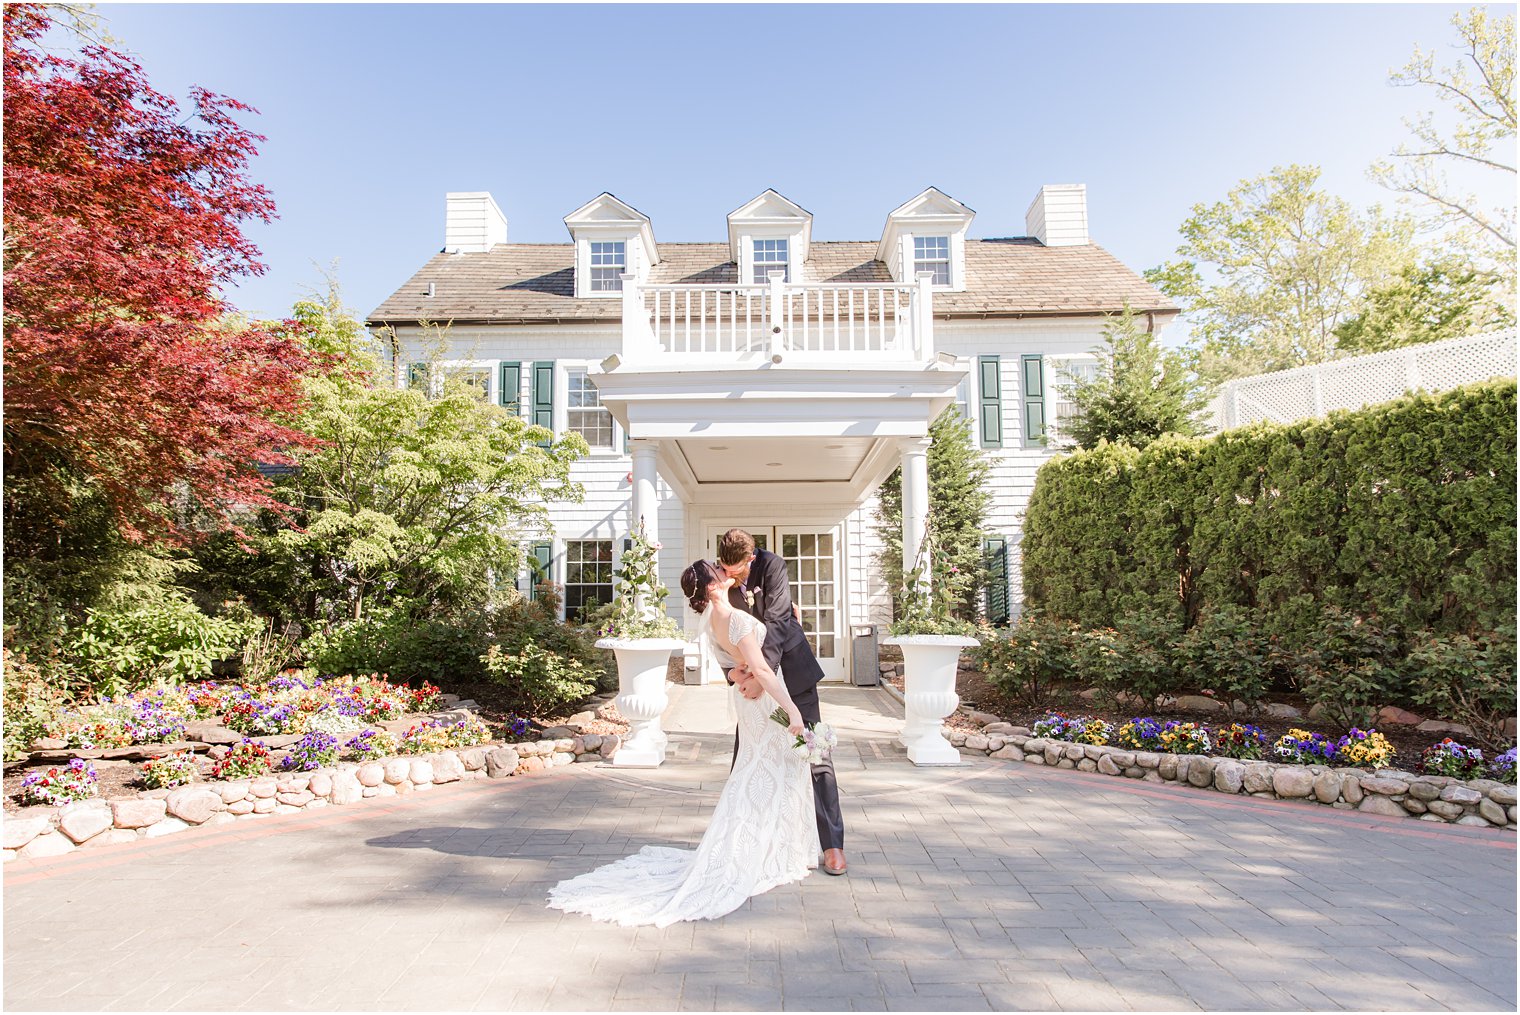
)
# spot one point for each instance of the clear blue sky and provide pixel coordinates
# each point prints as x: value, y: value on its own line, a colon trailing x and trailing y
x: 372, y: 113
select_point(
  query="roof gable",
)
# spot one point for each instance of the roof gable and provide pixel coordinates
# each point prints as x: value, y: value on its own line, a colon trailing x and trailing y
x: 771, y: 212
x: 931, y: 208
x: 608, y: 213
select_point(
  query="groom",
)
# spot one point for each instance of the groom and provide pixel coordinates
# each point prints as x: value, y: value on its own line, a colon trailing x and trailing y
x: 761, y: 589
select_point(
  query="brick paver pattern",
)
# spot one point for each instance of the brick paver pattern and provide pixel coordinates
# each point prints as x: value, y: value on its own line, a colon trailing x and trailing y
x: 993, y: 886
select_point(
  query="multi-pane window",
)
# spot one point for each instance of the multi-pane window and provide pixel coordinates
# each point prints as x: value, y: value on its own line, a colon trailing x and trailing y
x: 1068, y: 373
x: 609, y: 259
x: 476, y: 380
x: 585, y: 413
x: 588, y: 574
x: 770, y: 255
x: 932, y: 253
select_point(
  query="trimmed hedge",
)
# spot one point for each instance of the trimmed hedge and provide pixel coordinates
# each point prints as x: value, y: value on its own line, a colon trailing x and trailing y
x: 1404, y: 511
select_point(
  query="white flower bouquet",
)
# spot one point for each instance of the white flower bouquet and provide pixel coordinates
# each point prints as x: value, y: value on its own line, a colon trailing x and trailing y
x: 815, y: 743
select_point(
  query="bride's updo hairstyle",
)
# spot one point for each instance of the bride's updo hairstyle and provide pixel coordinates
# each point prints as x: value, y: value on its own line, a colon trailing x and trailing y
x: 696, y: 580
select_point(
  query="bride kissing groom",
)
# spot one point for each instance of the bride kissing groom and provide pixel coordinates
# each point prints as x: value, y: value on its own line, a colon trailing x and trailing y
x: 773, y: 815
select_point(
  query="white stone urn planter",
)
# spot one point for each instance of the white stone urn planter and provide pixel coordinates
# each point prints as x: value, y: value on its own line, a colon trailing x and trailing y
x: 642, y: 664
x: 929, y: 666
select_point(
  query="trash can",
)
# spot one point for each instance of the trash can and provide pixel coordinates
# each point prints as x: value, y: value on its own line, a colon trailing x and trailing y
x: 867, y: 669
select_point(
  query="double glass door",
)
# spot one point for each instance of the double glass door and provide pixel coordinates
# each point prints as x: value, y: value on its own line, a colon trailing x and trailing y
x: 814, y: 569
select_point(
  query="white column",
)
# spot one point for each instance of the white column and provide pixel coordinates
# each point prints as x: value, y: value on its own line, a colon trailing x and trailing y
x: 915, y: 501
x: 645, y: 507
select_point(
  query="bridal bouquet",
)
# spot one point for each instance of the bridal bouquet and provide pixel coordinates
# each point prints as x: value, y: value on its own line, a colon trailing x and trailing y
x: 814, y: 743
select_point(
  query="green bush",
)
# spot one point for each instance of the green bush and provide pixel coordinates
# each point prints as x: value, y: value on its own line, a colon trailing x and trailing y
x: 1350, y: 667
x: 540, y: 682
x: 1145, y: 664
x: 33, y: 697
x: 152, y: 636
x: 1228, y: 653
x: 444, y: 651
x: 1028, y: 659
x: 1469, y: 680
x: 1404, y: 510
x: 1095, y: 661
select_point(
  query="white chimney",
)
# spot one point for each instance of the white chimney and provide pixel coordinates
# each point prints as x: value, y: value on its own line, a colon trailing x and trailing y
x: 473, y: 223
x: 1058, y: 215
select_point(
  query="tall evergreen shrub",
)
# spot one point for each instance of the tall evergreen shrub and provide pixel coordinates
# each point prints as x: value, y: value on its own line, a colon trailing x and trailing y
x: 958, y: 505
x: 1404, y: 511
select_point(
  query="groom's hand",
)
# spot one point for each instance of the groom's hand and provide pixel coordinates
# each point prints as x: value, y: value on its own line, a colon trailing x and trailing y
x: 750, y: 687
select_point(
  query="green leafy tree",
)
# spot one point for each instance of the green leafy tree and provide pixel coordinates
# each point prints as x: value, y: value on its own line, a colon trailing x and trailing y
x: 1477, y: 139
x: 958, y: 505
x: 1440, y: 299
x: 406, y: 501
x: 1140, y: 392
x: 1266, y: 275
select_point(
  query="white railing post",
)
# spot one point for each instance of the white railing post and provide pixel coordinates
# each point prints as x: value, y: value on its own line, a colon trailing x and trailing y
x: 923, y: 316
x: 777, y: 312
x: 638, y: 334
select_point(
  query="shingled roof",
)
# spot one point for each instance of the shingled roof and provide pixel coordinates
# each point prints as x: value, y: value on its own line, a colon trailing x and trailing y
x: 523, y: 283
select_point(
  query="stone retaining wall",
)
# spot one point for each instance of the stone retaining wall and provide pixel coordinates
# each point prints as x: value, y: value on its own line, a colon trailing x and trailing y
x: 1402, y: 794
x: 53, y: 831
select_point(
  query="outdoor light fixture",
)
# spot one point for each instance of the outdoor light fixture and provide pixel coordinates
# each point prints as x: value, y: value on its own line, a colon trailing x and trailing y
x: 611, y: 363
x: 945, y: 359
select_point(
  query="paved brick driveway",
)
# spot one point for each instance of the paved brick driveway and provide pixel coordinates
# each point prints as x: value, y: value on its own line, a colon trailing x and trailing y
x: 992, y: 886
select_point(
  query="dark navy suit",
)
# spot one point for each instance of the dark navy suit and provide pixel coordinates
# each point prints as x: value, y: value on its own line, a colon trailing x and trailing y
x: 787, y: 652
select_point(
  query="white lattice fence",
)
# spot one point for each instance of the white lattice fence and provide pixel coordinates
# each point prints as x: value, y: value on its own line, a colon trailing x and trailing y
x: 1363, y: 380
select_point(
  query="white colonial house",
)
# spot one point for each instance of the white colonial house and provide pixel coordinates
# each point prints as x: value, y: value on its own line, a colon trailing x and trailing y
x: 771, y: 380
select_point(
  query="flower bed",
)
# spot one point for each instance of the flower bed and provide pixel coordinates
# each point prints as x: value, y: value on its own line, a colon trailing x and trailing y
x: 254, y: 791
x: 1294, y: 775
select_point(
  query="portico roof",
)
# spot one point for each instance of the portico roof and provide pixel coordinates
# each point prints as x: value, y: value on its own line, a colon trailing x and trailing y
x: 809, y: 434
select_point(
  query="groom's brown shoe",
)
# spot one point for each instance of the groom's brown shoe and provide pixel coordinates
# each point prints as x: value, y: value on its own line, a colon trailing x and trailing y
x: 833, y: 862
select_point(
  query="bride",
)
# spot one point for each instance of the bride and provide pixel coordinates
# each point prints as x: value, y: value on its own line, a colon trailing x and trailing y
x: 762, y: 832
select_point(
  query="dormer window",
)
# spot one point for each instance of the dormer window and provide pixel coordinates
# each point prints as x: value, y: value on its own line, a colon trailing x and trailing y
x: 609, y: 260
x: 769, y: 233
x: 770, y: 255
x: 611, y: 239
x: 927, y: 234
x: 932, y: 254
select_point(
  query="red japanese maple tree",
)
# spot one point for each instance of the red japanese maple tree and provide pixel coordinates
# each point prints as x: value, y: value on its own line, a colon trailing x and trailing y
x: 122, y: 218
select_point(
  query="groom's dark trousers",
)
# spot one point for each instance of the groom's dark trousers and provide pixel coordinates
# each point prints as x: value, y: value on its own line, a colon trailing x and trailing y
x: 787, y: 652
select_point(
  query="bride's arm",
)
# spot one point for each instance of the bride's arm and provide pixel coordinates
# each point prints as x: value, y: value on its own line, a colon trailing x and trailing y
x: 749, y: 651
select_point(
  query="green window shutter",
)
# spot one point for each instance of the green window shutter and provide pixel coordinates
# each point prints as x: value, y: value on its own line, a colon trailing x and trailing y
x: 995, y: 550
x: 540, y: 556
x: 991, y: 386
x: 417, y: 377
x: 511, y: 388
x: 1034, y: 400
x: 543, y: 394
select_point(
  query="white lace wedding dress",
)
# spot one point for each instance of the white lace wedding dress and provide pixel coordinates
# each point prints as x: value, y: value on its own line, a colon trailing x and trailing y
x: 762, y: 834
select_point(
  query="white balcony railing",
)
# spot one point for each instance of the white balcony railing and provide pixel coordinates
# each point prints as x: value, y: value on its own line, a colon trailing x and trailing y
x: 884, y: 320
